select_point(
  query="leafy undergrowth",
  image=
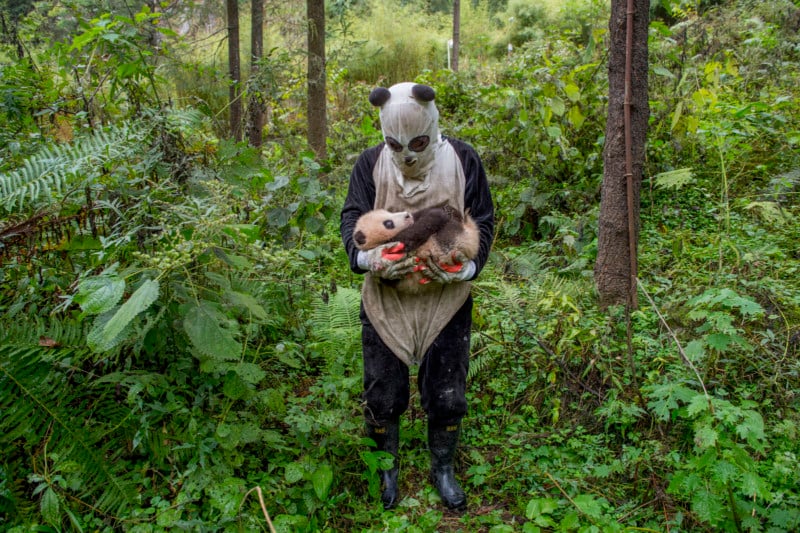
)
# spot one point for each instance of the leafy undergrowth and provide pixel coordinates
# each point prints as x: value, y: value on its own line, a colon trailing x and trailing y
x: 179, y: 332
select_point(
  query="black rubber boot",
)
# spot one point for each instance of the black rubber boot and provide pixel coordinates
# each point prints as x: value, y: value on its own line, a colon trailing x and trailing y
x: 442, y: 442
x: 387, y: 438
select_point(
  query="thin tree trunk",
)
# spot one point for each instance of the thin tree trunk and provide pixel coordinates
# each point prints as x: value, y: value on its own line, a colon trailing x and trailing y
x: 234, y: 70
x: 456, y: 33
x: 317, y: 117
x: 255, y: 106
x: 618, y: 225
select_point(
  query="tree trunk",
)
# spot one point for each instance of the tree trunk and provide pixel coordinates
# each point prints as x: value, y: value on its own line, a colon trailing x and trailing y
x: 234, y: 70
x: 618, y: 226
x: 255, y: 106
x: 456, y: 33
x: 317, y: 119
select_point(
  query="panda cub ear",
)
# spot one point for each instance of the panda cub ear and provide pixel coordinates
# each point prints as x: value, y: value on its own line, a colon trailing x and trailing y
x: 379, y: 96
x: 360, y: 238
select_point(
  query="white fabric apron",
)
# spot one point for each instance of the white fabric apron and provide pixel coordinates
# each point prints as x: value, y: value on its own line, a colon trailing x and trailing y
x: 409, y: 323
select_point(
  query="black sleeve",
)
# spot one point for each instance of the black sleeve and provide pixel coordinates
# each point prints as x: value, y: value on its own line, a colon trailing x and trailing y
x: 360, y: 199
x: 477, y: 198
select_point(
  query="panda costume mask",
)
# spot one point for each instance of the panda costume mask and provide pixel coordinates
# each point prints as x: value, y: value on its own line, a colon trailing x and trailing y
x: 410, y: 126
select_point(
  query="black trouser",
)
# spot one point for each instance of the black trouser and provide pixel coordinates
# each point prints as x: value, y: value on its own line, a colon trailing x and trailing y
x: 442, y: 377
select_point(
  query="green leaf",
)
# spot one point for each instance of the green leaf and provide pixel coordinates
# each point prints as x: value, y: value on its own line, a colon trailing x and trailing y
x: 664, y: 398
x: 280, y: 181
x: 661, y: 71
x: 674, y: 179
x: 99, y: 294
x: 248, y: 303
x: 573, y: 92
x: 539, y: 506
x: 108, y: 334
x: 589, y: 505
x: 783, y: 518
x: 235, y: 261
x: 278, y: 217
x: 557, y: 106
x: 751, y: 428
x: 370, y: 459
x: 769, y: 212
x: 676, y: 116
x: 705, y: 437
x: 293, y: 472
x: 719, y: 341
x: 724, y: 471
x: 540, y: 509
x: 211, y: 332
x: 554, y: 132
x: 747, y: 307
x: 224, y: 430
x: 249, y: 232
x: 570, y: 522
x: 233, y: 386
x: 49, y: 507
x: 694, y: 351
x: 708, y: 506
x: 698, y: 404
x: 575, y: 117
x: 322, y: 479
x: 250, y: 372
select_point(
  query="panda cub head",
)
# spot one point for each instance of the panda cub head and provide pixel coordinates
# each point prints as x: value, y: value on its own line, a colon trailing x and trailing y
x: 379, y: 226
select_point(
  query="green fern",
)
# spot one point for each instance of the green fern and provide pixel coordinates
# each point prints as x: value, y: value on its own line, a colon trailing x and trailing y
x: 336, y: 324
x: 46, y: 176
x: 528, y: 265
x: 187, y: 120
x: 480, y: 362
x: 64, y: 426
x: 674, y: 179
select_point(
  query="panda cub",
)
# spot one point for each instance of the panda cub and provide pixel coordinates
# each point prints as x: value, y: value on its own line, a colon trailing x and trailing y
x: 437, y: 233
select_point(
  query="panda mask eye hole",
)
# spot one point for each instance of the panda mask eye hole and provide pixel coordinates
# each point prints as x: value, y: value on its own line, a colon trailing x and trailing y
x: 388, y: 224
x: 417, y: 144
x: 394, y: 144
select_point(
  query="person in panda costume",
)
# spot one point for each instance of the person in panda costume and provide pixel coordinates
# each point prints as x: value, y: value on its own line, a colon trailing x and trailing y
x: 416, y: 168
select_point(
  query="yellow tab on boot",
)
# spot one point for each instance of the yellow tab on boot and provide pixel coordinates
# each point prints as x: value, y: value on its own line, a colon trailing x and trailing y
x: 380, y: 431
x: 451, y: 428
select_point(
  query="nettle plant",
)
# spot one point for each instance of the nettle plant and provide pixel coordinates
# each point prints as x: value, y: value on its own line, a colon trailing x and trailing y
x: 721, y: 470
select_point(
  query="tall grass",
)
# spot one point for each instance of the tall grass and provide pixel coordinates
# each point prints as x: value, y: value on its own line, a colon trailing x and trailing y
x: 393, y: 43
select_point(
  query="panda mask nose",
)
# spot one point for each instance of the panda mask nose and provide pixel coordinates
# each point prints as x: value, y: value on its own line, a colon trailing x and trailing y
x: 410, y: 160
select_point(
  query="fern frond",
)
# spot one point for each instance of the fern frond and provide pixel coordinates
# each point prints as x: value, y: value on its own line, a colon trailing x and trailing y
x: 46, y: 175
x: 504, y: 295
x: 336, y: 324
x: 188, y: 119
x: 480, y: 362
x: 674, y: 179
x: 35, y: 330
x: 528, y: 265
x: 41, y: 406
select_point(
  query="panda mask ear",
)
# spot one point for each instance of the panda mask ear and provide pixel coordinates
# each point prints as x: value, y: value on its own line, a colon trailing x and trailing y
x: 379, y: 96
x: 423, y: 93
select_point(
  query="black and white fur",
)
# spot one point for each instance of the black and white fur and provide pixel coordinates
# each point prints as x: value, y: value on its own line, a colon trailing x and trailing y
x: 437, y: 233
